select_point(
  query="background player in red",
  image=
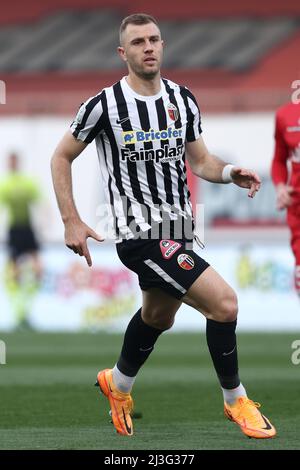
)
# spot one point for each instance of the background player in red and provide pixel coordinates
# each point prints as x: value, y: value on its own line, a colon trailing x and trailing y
x: 286, y: 174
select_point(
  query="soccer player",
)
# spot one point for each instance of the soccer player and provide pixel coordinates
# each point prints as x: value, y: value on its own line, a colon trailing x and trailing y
x: 142, y: 126
x: 287, y: 178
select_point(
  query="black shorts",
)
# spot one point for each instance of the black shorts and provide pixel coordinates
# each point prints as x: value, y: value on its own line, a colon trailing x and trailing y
x: 170, y: 265
x: 21, y: 240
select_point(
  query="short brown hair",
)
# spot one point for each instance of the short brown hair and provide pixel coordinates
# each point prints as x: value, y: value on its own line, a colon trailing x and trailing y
x: 138, y: 19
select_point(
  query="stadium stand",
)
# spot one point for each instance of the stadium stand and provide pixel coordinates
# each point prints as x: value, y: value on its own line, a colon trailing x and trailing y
x: 236, y: 57
x: 14, y: 11
x: 77, y: 41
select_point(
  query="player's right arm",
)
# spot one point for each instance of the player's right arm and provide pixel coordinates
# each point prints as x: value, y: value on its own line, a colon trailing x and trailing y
x: 279, y: 169
x: 76, y: 231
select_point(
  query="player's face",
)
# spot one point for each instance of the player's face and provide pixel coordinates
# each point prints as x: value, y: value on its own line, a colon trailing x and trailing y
x: 142, y: 49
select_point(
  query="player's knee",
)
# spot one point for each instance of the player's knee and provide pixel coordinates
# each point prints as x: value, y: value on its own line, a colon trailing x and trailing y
x: 228, y: 308
x: 158, y: 321
x: 163, y: 324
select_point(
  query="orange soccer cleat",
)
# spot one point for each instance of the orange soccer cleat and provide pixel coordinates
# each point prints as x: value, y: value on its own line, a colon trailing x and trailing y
x: 121, y: 404
x: 252, y: 422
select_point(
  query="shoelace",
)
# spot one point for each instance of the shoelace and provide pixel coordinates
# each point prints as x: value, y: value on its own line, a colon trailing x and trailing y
x: 253, y: 416
x: 128, y: 402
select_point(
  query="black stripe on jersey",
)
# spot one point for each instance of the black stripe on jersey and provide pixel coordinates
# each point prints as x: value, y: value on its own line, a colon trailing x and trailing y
x: 111, y: 197
x: 178, y: 125
x: 190, y: 135
x: 126, y: 126
x: 190, y: 118
x: 98, y: 127
x: 89, y: 108
x: 127, y: 208
x: 162, y: 122
x: 150, y: 169
x: 190, y: 95
x: 185, y: 93
x: 122, y: 110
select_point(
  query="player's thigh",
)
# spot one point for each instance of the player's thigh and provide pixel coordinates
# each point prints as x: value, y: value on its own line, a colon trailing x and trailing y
x: 211, y: 295
x: 159, y: 308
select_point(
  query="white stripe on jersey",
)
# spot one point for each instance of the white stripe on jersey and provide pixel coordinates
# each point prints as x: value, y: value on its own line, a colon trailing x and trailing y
x: 156, y: 145
x: 173, y: 168
x: 106, y: 168
x: 88, y: 120
x: 140, y: 142
x: 158, y: 270
x: 136, y: 207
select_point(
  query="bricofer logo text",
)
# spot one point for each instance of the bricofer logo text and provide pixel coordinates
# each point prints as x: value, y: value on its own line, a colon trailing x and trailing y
x: 133, y: 137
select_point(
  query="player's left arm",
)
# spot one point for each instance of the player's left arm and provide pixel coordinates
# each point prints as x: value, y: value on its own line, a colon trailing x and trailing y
x: 211, y: 168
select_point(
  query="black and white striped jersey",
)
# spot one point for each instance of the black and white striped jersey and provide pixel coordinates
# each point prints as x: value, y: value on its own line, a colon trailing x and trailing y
x: 140, y: 142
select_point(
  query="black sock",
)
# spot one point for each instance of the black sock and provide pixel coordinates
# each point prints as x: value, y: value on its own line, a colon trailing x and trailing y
x: 138, y: 344
x: 221, y: 341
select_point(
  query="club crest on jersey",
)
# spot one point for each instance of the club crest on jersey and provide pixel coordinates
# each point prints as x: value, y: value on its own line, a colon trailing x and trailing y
x: 185, y: 261
x: 168, y: 248
x: 173, y: 112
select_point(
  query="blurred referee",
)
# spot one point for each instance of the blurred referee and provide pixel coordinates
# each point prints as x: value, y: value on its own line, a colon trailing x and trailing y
x: 18, y: 193
x: 144, y: 127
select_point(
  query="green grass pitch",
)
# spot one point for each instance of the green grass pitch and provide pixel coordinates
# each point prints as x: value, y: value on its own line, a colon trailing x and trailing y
x: 48, y: 400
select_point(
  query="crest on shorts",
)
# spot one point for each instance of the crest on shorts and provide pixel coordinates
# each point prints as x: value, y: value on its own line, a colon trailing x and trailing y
x: 185, y: 261
x: 168, y: 248
x: 173, y: 112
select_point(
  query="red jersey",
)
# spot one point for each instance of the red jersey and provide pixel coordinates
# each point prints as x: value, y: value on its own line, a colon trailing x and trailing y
x: 287, y: 146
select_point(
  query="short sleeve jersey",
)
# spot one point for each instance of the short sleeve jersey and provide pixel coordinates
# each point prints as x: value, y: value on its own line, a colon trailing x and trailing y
x: 140, y: 142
